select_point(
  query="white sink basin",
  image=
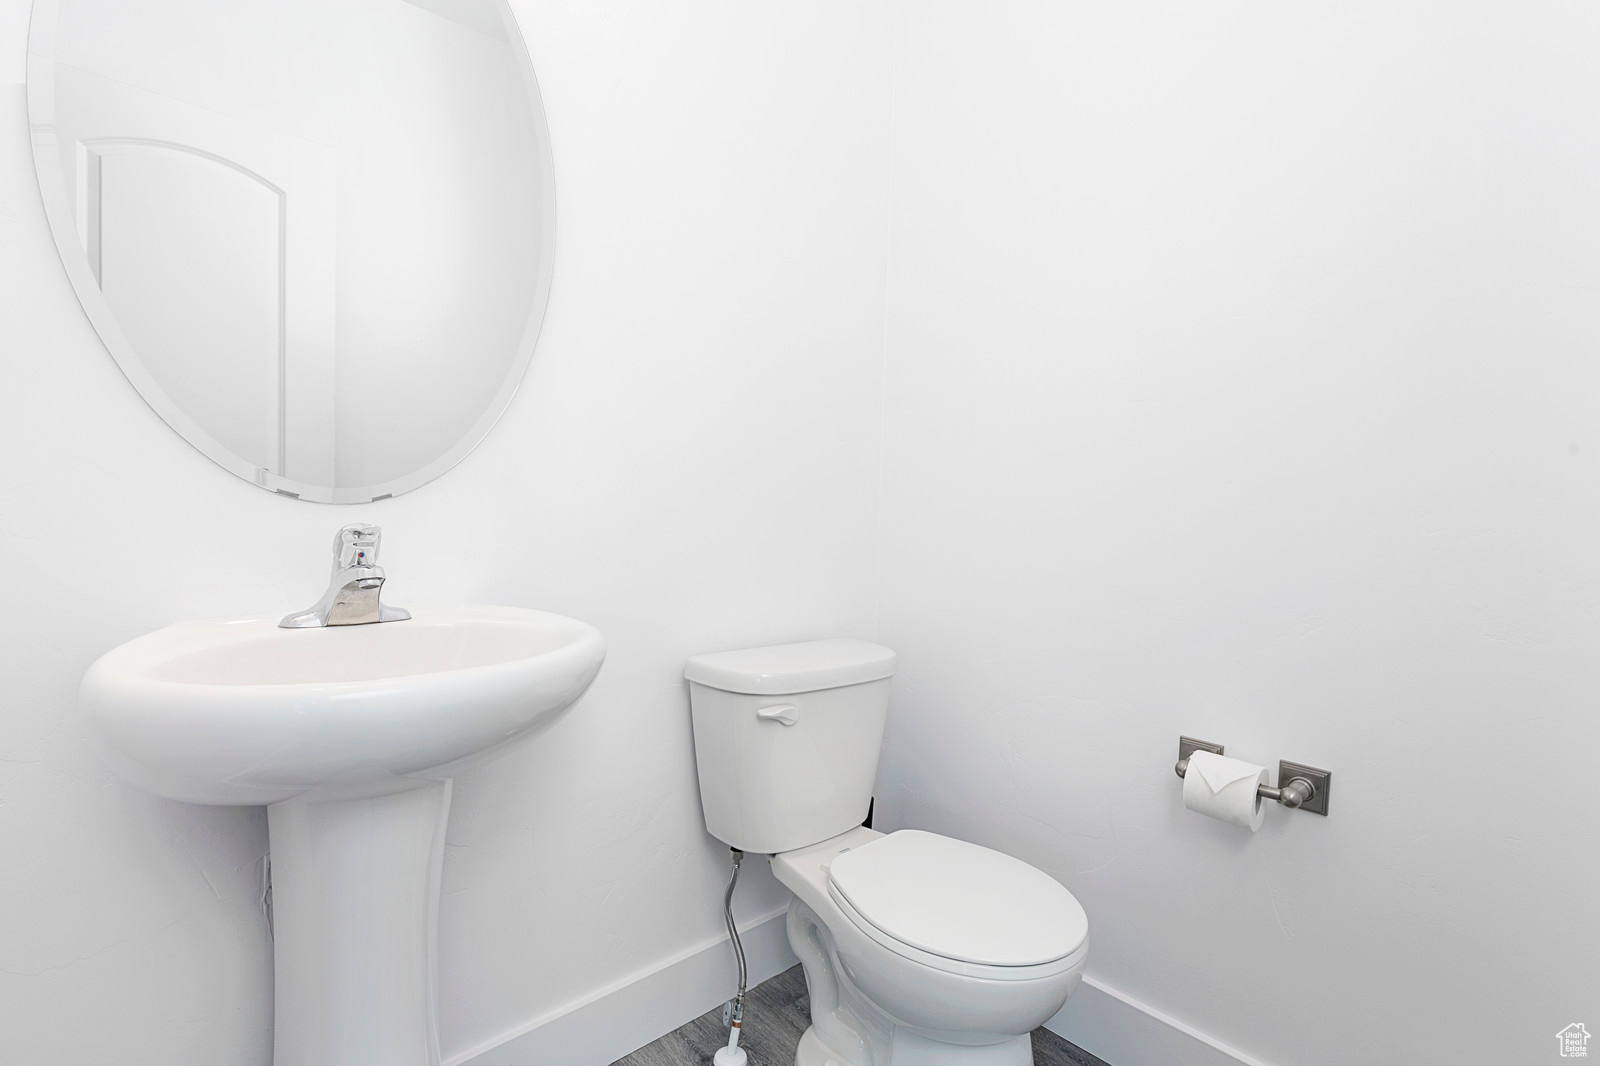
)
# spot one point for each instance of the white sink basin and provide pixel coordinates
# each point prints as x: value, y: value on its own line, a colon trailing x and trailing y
x: 239, y: 711
x: 351, y: 736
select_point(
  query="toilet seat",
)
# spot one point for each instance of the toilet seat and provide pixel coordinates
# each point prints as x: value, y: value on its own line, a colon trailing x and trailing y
x: 958, y: 906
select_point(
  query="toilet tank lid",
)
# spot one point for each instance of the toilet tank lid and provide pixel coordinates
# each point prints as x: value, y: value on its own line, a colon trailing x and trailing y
x: 809, y: 666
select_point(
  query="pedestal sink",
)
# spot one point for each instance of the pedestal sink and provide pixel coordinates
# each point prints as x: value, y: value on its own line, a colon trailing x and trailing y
x: 350, y: 736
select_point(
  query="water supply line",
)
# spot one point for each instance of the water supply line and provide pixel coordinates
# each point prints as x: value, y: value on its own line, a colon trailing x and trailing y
x: 733, y: 1013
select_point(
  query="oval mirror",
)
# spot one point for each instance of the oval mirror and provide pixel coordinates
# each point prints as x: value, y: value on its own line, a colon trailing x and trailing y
x: 316, y: 235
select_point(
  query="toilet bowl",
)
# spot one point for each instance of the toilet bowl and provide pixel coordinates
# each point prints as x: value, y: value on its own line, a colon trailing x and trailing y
x: 918, y: 949
x: 877, y: 997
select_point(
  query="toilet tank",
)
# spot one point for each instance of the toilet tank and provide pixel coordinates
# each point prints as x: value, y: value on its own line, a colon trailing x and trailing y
x: 786, y: 739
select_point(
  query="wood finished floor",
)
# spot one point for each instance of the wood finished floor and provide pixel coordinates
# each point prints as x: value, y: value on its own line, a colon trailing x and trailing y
x: 775, y: 1014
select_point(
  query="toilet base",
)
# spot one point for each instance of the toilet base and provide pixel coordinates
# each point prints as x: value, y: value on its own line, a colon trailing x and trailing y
x: 915, y: 1050
x: 813, y: 1052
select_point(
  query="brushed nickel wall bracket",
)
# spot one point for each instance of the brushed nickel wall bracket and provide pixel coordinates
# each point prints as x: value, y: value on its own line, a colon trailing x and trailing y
x: 1300, y: 787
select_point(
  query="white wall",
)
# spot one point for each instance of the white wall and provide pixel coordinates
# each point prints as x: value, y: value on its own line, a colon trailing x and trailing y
x: 1242, y: 383
x: 689, y: 466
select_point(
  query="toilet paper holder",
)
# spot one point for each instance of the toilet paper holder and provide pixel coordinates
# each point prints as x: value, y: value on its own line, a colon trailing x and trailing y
x: 1300, y: 787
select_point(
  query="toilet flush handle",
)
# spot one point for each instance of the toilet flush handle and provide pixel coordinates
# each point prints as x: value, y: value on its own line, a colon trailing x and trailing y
x: 787, y: 713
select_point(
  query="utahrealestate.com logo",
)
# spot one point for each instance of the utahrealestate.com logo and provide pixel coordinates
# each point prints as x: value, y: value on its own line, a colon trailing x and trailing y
x: 1574, y: 1041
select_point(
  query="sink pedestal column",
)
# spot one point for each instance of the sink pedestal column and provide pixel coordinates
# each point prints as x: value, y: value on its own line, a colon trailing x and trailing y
x: 355, y: 904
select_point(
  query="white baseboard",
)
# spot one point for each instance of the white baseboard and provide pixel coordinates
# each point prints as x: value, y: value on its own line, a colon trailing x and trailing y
x: 625, y: 1016
x: 604, y: 1026
x: 1121, y: 1030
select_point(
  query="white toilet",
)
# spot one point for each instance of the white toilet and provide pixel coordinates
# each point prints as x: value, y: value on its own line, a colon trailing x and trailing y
x: 919, y: 950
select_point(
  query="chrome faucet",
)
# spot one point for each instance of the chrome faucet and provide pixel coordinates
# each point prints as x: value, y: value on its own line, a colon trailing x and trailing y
x: 353, y: 594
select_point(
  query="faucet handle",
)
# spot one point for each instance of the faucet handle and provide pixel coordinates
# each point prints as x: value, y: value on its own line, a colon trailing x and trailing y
x: 356, y: 545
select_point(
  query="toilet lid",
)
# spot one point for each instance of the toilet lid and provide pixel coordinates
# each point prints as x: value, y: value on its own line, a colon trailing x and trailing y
x: 960, y: 901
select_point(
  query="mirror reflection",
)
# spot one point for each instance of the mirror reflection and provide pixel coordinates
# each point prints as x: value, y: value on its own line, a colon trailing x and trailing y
x: 315, y: 234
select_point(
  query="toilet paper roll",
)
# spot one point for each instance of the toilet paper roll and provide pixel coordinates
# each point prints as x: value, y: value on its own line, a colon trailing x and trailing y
x: 1224, y: 788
